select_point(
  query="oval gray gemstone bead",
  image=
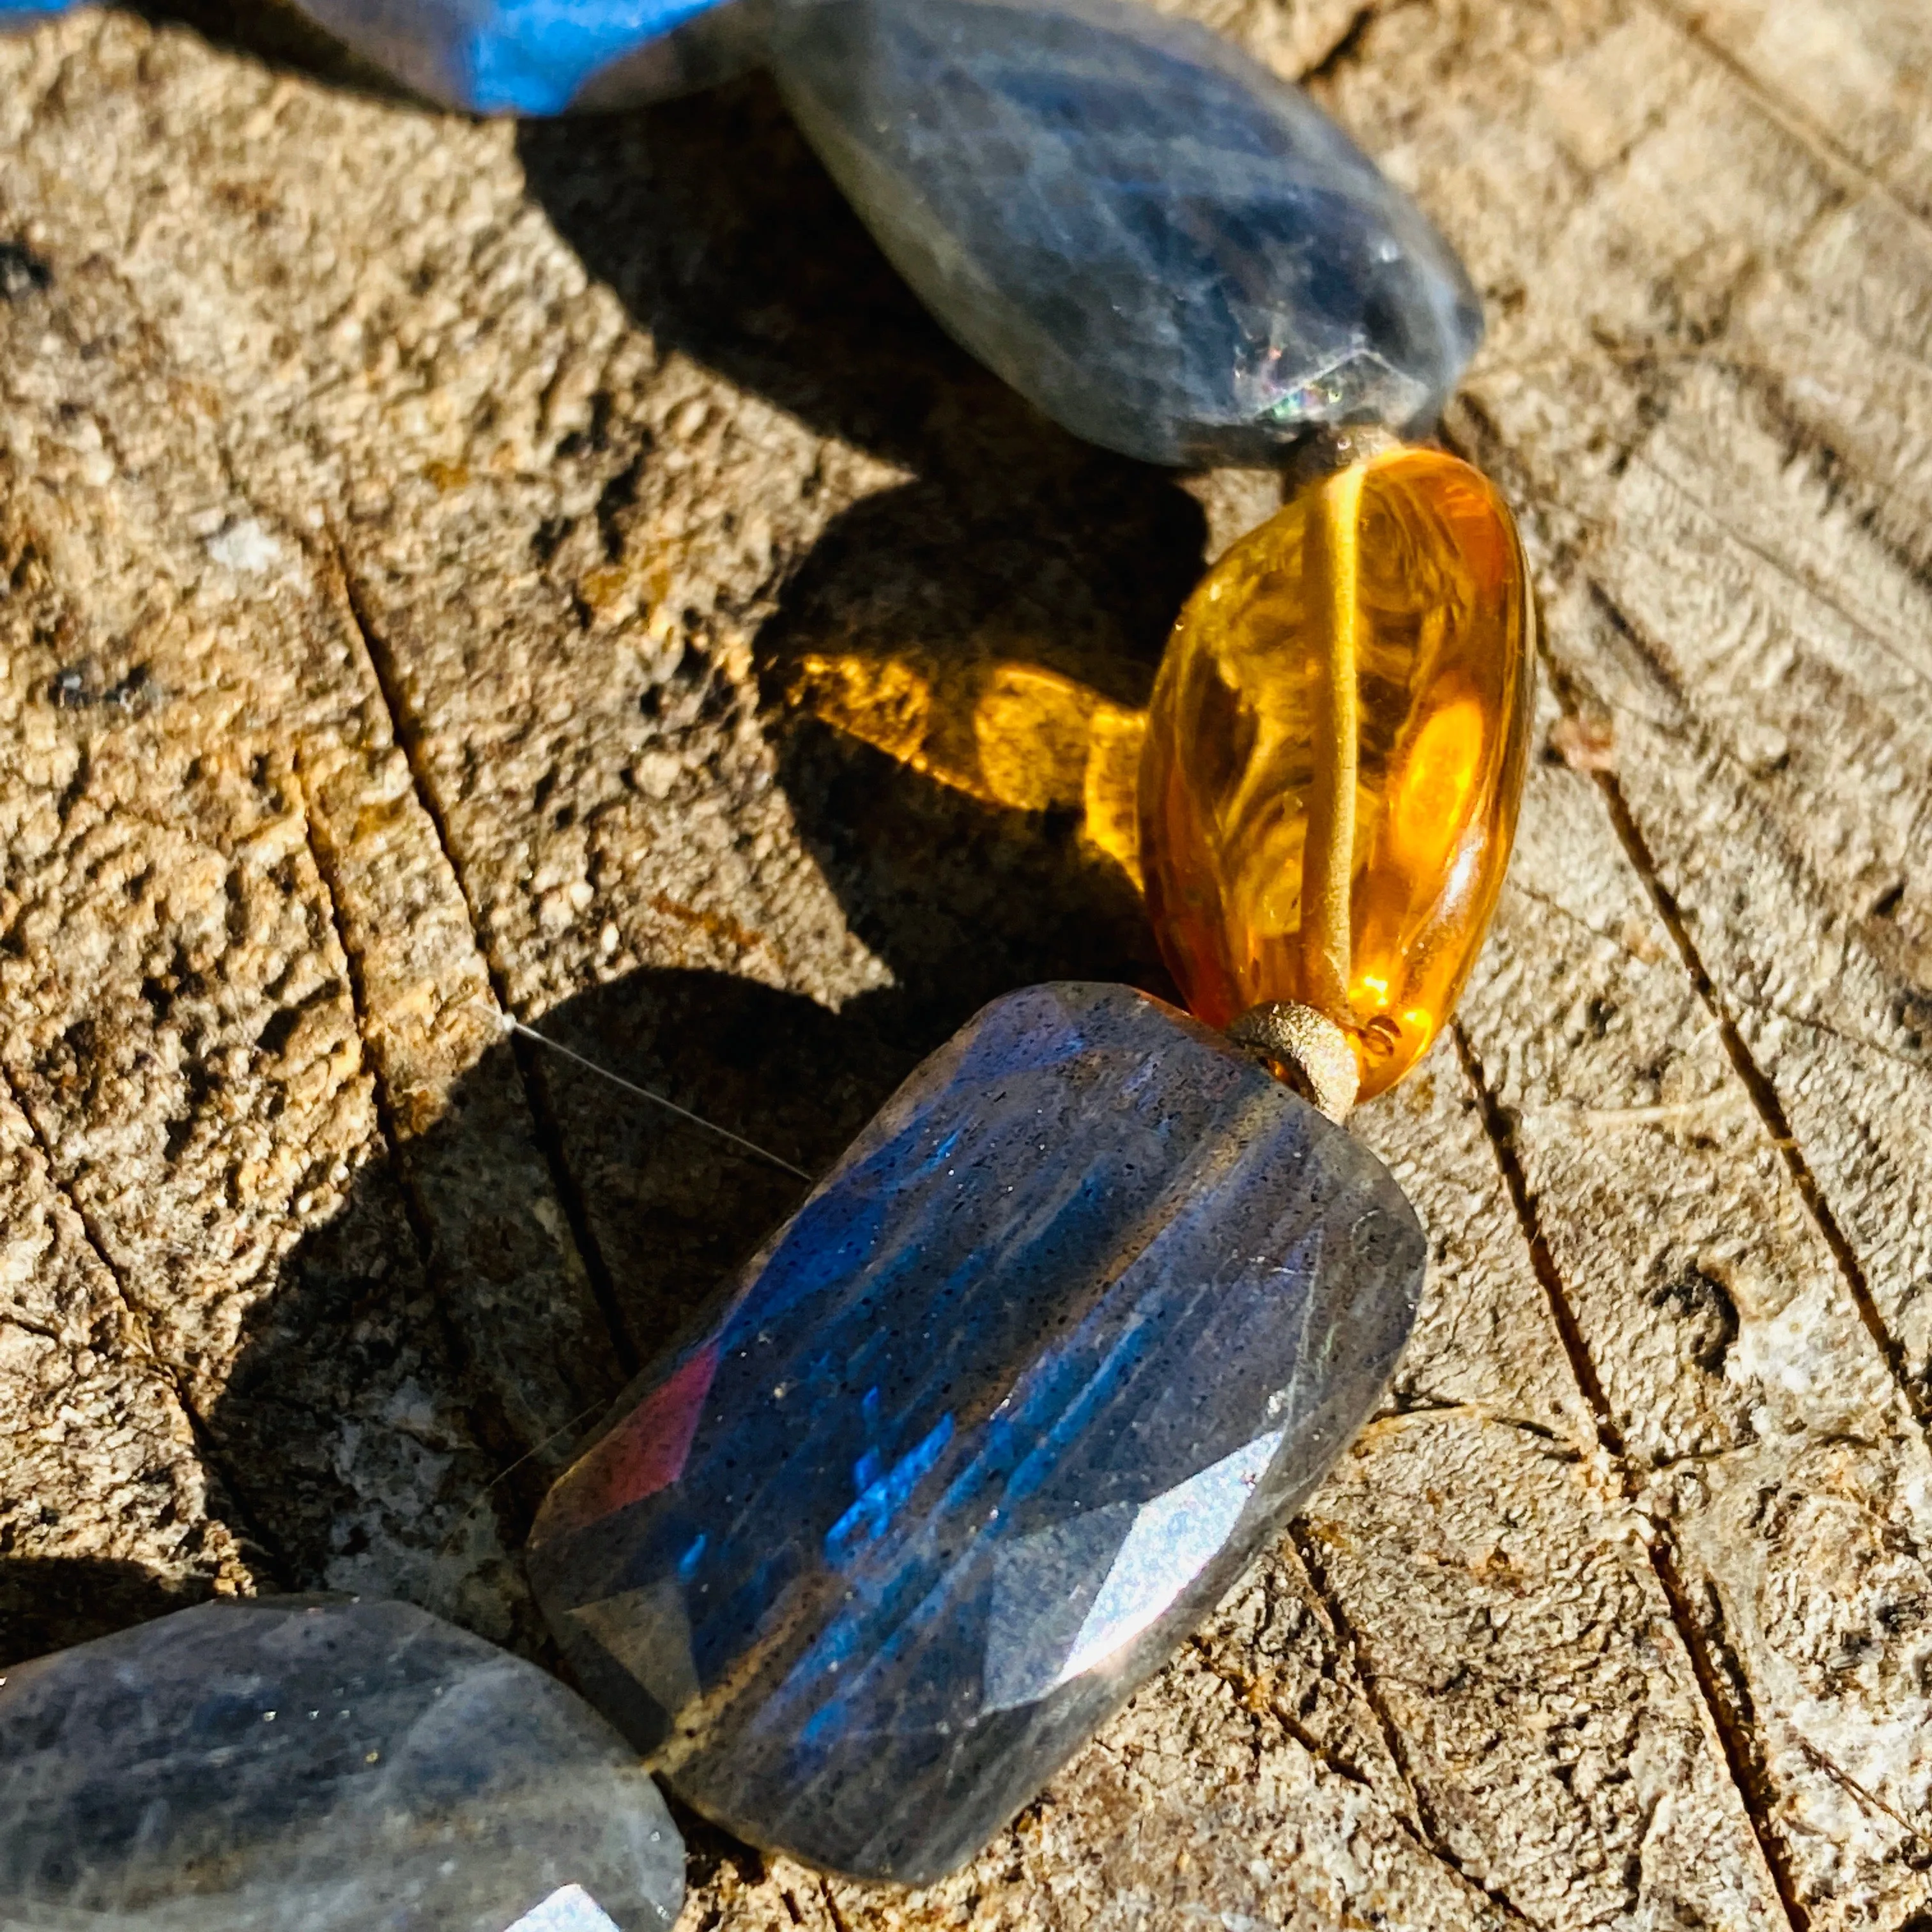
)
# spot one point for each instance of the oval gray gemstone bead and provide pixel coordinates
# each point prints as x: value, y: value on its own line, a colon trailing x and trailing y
x: 1160, y: 245
x: 311, y: 1764
x: 985, y: 1430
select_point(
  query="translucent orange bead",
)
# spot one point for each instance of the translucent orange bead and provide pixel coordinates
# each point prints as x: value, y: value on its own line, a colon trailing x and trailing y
x: 1335, y: 756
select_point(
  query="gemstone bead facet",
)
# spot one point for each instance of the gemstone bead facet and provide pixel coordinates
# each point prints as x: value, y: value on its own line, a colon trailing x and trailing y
x: 1000, y: 1413
x: 305, y: 1764
x: 1169, y: 250
x: 545, y: 56
x: 1335, y: 756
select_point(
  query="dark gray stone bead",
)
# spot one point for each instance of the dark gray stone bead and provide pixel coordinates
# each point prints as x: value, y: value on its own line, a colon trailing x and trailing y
x: 307, y: 1765
x: 986, y: 1428
x: 1165, y: 248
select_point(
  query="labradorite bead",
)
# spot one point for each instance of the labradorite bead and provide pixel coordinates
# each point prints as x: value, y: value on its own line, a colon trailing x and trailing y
x: 1166, y: 248
x: 304, y: 1765
x: 982, y: 1433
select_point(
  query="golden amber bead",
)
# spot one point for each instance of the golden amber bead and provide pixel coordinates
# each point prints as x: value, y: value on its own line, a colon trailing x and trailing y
x: 1335, y: 756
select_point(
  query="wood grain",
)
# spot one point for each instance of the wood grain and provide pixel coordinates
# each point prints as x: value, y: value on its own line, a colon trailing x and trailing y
x: 411, y: 531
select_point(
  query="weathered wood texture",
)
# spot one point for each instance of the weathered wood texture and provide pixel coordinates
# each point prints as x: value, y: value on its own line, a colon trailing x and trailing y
x: 425, y: 548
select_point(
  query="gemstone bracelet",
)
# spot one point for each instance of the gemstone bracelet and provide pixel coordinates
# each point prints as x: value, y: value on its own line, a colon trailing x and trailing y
x: 1061, y: 1341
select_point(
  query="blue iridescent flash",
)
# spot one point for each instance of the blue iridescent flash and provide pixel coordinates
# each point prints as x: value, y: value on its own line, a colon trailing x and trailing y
x: 532, y: 57
x: 539, y: 57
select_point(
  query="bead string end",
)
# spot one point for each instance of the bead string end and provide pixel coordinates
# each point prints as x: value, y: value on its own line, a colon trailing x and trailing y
x: 1303, y: 1049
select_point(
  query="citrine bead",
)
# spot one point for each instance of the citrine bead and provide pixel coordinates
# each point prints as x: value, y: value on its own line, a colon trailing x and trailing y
x: 1335, y: 755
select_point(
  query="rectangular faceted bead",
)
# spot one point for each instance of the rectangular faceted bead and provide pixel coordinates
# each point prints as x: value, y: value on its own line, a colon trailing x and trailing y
x: 981, y: 1433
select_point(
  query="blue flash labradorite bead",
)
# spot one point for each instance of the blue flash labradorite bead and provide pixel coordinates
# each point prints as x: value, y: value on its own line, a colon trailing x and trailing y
x: 31, y: 13
x: 1162, y: 246
x: 306, y: 1765
x: 985, y: 1430
x: 545, y: 56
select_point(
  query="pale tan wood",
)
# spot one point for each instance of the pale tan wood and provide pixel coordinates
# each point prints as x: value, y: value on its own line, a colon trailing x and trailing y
x: 104, y: 1486
x: 470, y: 498
x: 1705, y: 1059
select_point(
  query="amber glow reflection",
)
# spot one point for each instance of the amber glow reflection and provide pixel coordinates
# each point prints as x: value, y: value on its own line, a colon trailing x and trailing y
x: 1429, y: 802
x: 1008, y: 733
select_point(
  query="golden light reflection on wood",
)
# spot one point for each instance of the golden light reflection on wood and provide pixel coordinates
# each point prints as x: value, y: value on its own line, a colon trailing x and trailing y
x: 1011, y: 734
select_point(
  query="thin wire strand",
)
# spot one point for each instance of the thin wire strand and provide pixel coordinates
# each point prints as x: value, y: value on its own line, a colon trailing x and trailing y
x: 516, y: 1026
x: 509, y: 1469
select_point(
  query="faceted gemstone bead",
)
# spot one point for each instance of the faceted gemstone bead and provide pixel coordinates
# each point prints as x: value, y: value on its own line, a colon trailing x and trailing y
x: 984, y: 1428
x: 306, y: 1764
x: 1164, y: 247
x: 544, y: 56
x: 1335, y: 755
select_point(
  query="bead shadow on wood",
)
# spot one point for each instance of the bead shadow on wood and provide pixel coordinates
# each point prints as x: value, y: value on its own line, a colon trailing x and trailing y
x: 953, y: 677
x: 271, y: 32
x: 1024, y: 584
x: 48, y: 1602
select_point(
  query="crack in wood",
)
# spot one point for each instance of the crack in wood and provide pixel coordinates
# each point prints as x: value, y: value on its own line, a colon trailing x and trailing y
x: 1757, y: 1083
x: 254, y: 1541
x: 328, y: 872
x: 1792, y: 120
x: 13, y: 1319
x: 1253, y: 1696
x: 1348, y: 46
x: 480, y: 1415
x: 545, y: 1126
x: 832, y: 1911
x: 1425, y: 1831
x: 1744, y: 1753
x: 1426, y: 1409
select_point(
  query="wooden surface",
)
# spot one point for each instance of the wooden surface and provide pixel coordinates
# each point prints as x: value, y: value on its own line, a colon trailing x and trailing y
x: 424, y: 548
